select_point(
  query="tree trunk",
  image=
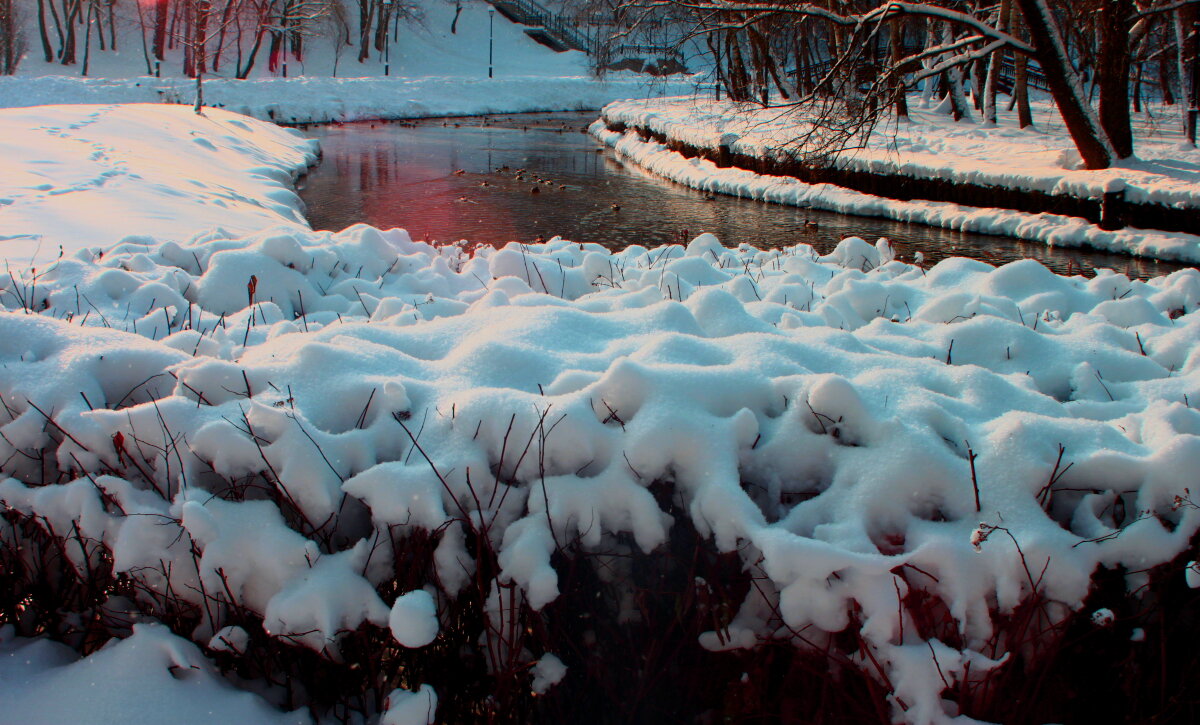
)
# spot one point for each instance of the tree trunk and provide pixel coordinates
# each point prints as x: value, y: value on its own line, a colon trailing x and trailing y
x: 1164, y: 78
x: 159, y: 45
x: 995, y: 63
x: 366, y: 17
x: 1185, y: 99
x: 1021, y: 92
x: 67, y: 57
x: 43, y: 33
x: 978, y: 82
x: 1113, y: 74
x: 1137, y: 90
x: 243, y: 73
x: 99, y: 21
x: 58, y: 27
x: 897, y: 48
x: 1093, y: 145
x: 225, y: 18
x: 145, y: 45
x: 87, y: 36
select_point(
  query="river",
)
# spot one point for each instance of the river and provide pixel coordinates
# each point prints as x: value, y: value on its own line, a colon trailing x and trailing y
x: 475, y: 179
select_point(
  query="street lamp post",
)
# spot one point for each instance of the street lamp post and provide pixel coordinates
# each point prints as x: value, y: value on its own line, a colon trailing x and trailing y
x: 491, y: 25
x: 387, y: 39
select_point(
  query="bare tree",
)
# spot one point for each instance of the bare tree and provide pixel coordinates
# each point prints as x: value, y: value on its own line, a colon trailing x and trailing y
x: 850, y: 61
x: 12, y: 39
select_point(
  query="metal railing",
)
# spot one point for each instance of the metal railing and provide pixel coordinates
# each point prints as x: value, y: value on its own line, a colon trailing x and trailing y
x: 556, y: 26
x: 566, y: 32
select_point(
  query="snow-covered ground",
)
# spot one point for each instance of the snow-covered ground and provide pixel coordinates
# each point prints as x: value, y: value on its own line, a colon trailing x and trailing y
x: 168, y: 677
x: 319, y: 100
x: 424, y: 47
x: 851, y: 425
x: 433, y: 72
x: 88, y: 176
x: 930, y: 146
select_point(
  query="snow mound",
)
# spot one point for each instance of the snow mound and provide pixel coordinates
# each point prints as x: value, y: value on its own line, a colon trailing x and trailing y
x: 283, y: 401
x: 413, y: 620
x: 411, y: 708
x: 167, y: 677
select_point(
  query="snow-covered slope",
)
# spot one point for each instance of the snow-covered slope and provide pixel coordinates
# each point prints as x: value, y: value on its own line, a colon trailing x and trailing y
x: 88, y: 176
x: 424, y: 47
x: 433, y: 72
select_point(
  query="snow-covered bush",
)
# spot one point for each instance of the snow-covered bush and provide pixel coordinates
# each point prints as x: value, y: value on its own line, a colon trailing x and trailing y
x: 549, y: 466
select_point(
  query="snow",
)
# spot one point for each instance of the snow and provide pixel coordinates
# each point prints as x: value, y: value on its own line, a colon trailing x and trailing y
x: 432, y: 73
x: 411, y: 708
x: 548, y: 672
x: 1103, y: 617
x: 324, y: 99
x: 833, y: 420
x: 1192, y: 574
x: 929, y: 146
x: 90, y: 176
x: 43, y: 683
x: 413, y: 619
x: 424, y: 48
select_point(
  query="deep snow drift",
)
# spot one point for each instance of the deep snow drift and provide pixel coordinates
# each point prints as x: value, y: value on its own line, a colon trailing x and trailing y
x: 928, y: 146
x: 844, y: 423
x: 817, y: 414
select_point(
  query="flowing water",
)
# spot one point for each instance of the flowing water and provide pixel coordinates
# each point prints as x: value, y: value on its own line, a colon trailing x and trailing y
x: 475, y: 179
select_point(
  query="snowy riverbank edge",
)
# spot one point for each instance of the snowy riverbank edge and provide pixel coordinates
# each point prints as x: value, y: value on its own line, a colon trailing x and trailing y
x: 671, y: 118
x: 324, y: 100
x: 88, y: 176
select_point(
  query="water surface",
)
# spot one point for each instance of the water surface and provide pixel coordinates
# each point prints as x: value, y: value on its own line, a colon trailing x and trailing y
x: 451, y: 179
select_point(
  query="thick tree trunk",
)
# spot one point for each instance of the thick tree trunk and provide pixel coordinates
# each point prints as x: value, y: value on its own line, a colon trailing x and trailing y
x: 1089, y: 137
x: 1113, y: 74
x: 1181, y: 67
x: 8, y: 37
x: 1021, y: 92
x: 366, y: 17
x: 159, y: 45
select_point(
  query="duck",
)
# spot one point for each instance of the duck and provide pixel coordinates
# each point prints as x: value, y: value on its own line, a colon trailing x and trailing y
x: 810, y: 224
x: 535, y: 190
x: 615, y: 207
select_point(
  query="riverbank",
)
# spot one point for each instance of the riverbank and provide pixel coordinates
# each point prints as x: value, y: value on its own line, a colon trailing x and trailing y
x: 324, y: 100
x: 84, y: 177
x: 703, y: 144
